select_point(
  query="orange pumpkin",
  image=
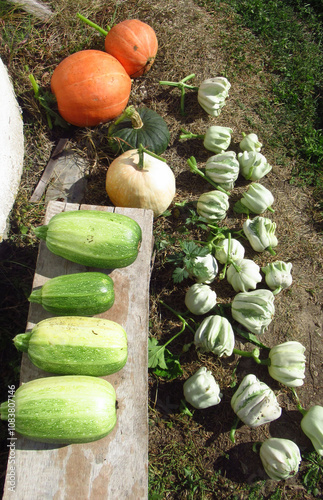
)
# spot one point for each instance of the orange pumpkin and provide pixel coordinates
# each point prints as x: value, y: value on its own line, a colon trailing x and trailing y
x: 91, y: 87
x: 134, y: 44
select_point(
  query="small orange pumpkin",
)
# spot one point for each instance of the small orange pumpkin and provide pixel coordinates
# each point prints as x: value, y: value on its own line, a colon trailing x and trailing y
x: 134, y: 44
x: 91, y: 87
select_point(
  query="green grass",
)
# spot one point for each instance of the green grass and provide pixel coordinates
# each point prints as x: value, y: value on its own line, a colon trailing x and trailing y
x: 295, y: 60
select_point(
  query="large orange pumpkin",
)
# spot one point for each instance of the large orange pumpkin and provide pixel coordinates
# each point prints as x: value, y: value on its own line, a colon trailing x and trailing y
x: 134, y: 44
x: 91, y: 87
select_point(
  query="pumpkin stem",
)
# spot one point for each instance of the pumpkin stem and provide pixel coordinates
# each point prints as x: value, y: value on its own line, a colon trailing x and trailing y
x: 194, y: 168
x: 141, y: 151
x: 132, y: 113
x: 141, y: 156
x: 93, y: 25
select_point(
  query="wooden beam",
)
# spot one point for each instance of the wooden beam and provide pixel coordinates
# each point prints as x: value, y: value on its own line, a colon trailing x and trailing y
x: 34, y: 7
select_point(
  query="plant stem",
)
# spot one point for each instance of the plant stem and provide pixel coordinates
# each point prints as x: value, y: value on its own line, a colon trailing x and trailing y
x: 182, y: 85
x: 229, y: 260
x: 298, y: 403
x: 240, y: 234
x: 21, y: 341
x: 252, y: 354
x: 255, y: 446
x: 141, y: 151
x: 93, y: 25
x: 234, y: 428
x: 250, y: 338
x: 271, y: 251
x: 194, y: 168
x: 235, y: 265
x: 175, y: 336
x: 34, y: 85
x: 180, y: 317
x: 41, y: 100
x: 189, y: 77
x: 189, y: 135
x: 132, y: 113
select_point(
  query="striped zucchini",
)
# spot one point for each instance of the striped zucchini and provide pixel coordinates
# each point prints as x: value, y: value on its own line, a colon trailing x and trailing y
x: 79, y: 294
x: 75, y: 345
x: 93, y: 238
x: 67, y: 409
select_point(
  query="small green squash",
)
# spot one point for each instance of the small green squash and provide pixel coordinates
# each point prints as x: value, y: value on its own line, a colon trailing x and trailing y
x: 213, y: 205
x: 63, y: 410
x: 78, y: 294
x: 94, y: 238
x: 134, y: 127
x: 75, y: 345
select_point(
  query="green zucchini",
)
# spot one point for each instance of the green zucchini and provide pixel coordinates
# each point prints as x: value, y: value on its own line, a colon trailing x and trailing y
x: 75, y: 345
x: 93, y: 238
x: 78, y: 294
x: 67, y: 409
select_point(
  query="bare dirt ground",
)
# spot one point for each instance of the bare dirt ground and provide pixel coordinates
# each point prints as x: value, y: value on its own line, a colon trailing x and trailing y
x: 189, y: 40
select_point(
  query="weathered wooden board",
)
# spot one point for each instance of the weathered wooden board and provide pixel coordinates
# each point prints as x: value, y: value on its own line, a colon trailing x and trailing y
x: 36, y: 8
x: 114, y: 467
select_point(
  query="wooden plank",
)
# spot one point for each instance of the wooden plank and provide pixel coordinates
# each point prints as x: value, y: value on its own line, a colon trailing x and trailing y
x: 115, y: 467
x: 68, y: 182
x: 38, y: 9
x: 44, y: 180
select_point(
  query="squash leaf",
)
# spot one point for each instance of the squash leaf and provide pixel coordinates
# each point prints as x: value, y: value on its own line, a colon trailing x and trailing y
x: 174, y: 368
x: 185, y: 261
x: 250, y: 337
x: 163, y: 363
x: 156, y: 354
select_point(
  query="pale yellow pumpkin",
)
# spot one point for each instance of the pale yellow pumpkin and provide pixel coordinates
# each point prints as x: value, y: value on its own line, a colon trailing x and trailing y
x: 152, y: 186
